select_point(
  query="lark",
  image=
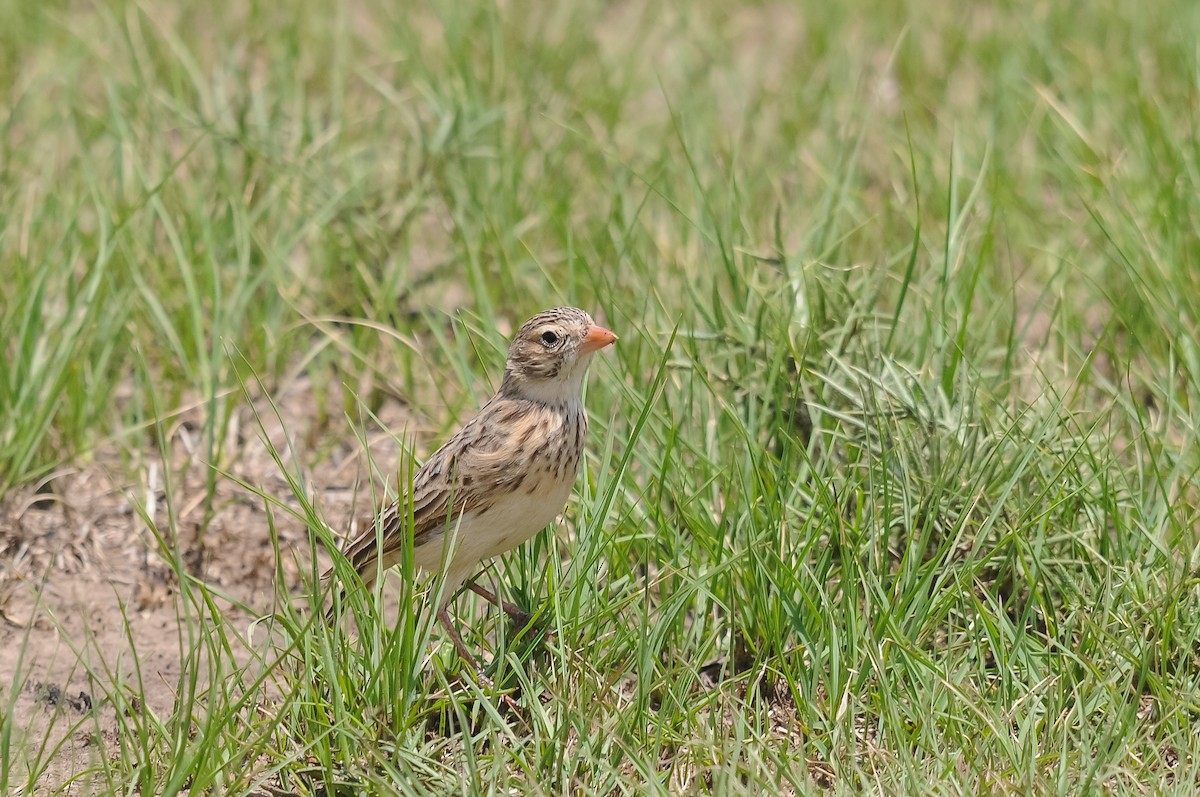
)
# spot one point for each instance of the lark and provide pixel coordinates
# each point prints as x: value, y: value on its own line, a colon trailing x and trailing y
x: 502, y: 477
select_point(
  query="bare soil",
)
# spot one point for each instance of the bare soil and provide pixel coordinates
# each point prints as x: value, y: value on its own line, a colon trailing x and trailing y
x: 85, y: 580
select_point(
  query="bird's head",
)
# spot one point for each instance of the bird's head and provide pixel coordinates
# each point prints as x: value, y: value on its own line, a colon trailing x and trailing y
x: 549, y: 355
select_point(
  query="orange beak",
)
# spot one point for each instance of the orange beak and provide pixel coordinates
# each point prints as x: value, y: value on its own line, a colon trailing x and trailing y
x: 597, y: 338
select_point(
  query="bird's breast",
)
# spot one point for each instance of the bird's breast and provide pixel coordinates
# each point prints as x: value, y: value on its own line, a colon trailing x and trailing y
x: 544, y: 448
x: 512, y: 517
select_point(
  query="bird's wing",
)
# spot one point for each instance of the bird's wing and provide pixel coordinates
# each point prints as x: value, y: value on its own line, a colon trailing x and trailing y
x: 464, y: 475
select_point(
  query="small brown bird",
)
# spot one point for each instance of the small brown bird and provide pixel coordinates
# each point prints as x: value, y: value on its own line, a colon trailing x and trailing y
x: 503, y: 476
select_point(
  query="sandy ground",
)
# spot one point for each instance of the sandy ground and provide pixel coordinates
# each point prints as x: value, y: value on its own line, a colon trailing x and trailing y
x: 84, y: 581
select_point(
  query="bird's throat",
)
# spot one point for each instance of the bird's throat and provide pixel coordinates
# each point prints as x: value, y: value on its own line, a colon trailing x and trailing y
x: 564, y: 389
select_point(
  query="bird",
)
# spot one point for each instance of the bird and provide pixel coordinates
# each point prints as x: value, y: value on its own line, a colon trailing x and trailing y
x: 502, y: 477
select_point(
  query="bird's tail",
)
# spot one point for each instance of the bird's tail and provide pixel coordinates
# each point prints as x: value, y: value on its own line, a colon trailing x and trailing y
x: 361, y: 554
x: 365, y: 574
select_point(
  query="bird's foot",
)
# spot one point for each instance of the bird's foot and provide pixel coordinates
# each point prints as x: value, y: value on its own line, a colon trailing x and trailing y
x: 485, y: 681
x: 534, y: 625
x: 520, y: 618
x: 488, y: 684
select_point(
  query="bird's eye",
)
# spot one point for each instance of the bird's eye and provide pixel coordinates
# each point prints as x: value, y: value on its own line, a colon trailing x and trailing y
x: 549, y: 338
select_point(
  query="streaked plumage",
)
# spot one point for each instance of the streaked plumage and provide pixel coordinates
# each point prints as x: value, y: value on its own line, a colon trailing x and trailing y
x: 507, y: 473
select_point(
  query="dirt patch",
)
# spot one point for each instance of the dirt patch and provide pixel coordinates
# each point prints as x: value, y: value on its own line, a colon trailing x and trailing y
x: 85, y: 577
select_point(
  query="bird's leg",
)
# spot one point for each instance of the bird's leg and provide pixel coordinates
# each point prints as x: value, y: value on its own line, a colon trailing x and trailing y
x: 459, y: 645
x: 521, y: 617
x: 484, y: 680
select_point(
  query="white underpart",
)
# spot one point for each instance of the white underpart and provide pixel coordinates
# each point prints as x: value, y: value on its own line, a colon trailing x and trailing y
x: 474, y: 540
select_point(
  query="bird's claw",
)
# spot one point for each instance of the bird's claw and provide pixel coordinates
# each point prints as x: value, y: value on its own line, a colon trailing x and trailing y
x: 488, y: 684
x: 527, y: 622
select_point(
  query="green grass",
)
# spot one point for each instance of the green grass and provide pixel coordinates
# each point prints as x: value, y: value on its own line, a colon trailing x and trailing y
x: 892, y: 480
